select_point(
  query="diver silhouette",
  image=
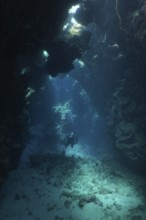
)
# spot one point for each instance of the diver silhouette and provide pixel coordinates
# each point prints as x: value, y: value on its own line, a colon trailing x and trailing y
x: 71, y: 140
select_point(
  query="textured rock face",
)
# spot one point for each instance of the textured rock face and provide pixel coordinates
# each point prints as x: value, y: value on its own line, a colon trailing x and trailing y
x: 116, y: 73
x: 127, y: 108
x: 127, y: 120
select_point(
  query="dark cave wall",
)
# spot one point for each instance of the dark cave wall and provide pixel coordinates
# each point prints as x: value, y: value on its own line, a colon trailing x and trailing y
x: 114, y: 76
x: 26, y: 27
x: 127, y: 106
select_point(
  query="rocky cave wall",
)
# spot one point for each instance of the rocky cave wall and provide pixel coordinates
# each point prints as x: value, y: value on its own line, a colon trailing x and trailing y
x: 115, y: 74
x: 26, y: 27
x: 127, y: 106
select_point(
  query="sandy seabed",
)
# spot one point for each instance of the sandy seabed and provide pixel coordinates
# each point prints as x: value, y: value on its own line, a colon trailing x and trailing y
x: 56, y: 187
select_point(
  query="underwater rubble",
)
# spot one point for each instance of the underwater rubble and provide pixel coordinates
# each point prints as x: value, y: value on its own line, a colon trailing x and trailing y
x: 64, y: 188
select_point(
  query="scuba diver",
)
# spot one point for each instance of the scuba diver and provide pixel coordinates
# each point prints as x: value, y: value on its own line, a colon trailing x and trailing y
x: 71, y: 140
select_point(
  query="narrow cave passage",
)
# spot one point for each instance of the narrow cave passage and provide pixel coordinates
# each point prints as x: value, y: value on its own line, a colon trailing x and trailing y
x: 73, y: 179
x: 80, y: 180
x: 72, y: 95
x: 59, y: 108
